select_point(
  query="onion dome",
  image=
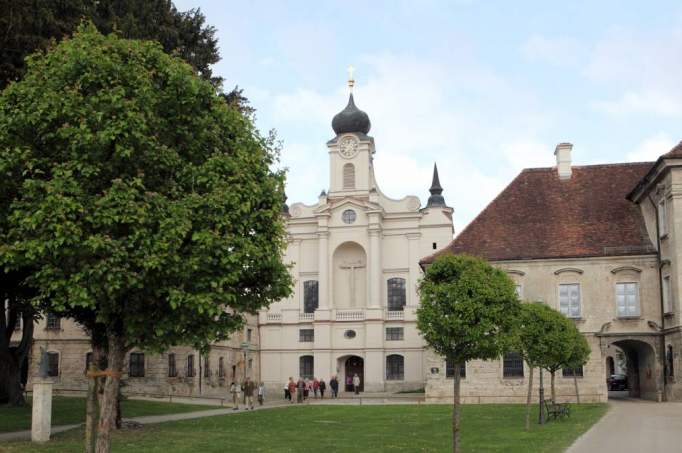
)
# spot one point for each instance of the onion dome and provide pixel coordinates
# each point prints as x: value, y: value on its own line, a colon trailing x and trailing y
x: 351, y: 119
x: 436, y: 199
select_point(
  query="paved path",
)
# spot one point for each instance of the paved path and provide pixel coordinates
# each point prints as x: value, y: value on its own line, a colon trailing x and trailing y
x: 634, y: 426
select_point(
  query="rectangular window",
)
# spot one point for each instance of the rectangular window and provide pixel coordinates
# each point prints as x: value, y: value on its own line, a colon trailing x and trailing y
x: 310, y: 296
x: 172, y: 368
x: 662, y: 217
x: 513, y: 365
x: 88, y: 361
x: 450, y: 369
x: 306, y: 367
x: 190, y: 365
x: 395, y: 368
x: 519, y: 291
x: 569, y: 372
x: 53, y: 364
x: 306, y: 335
x: 53, y: 322
x: 207, y: 367
x: 396, y: 294
x: 627, y: 299
x: 248, y: 335
x: 395, y: 333
x: 667, y: 295
x: 569, y: 300
x: 221, y: 367
x: 136, y: 367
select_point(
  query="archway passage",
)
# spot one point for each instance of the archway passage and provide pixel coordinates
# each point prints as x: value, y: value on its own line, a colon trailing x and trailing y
x: 354, y: 365
x: 634, y: 370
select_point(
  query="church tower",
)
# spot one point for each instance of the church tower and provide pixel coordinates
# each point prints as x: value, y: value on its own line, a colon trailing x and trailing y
x: 351, y: 152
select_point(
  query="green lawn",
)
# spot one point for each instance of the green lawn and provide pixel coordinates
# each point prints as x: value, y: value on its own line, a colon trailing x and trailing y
x: 67, y: 411
x: 408, y: 428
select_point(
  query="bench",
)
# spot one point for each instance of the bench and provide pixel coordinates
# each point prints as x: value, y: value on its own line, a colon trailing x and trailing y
x: 557, y: 410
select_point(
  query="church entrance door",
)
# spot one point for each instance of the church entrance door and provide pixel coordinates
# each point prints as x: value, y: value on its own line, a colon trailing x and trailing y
x: 354, y: 365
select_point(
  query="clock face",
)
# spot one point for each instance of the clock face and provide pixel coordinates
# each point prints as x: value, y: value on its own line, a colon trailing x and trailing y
x: 348, y: 147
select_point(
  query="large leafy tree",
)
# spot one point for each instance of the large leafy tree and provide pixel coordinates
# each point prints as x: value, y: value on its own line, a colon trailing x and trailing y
x: 28, y: 26
x: 142, y: 198
x: 467, y: 312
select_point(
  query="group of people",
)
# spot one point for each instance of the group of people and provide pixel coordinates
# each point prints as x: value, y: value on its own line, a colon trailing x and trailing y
x: 302, y: 389
x: 247, y: 389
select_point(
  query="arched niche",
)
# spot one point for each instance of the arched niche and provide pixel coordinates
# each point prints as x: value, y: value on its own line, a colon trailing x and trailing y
x: 350, y: 276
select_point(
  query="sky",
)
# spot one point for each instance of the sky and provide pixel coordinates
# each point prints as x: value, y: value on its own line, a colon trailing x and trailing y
x: 483, y: 88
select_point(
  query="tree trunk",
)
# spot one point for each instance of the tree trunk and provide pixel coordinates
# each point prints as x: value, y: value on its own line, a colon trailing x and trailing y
x: 12, y: 359
x: 107, y: 412
x: 529, y: 397
x: 92, y: 402
x: 455, y: 411
x: 575, y: 382
x: 553, y: 390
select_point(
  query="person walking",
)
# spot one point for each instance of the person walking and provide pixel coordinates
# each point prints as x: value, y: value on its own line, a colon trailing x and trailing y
x: 300, y: 390
x: 292, y: 389
x: 334, y: 384
x: 261, y: 393
x: 323, y: 387
x: 356, y: 383
x: 249, y: 387
x: 287, y: 395
x: 234, y: 390
x: 316, y: 387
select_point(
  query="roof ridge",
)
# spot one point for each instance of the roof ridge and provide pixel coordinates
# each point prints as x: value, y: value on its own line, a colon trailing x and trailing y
x: 613, y: 164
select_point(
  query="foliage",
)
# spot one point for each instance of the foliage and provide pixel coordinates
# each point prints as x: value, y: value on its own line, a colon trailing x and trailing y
x: 344, y: 429
x: 467, y: 308
x: 540, y: 332
x: 467, y: 312
x: 27, y: 26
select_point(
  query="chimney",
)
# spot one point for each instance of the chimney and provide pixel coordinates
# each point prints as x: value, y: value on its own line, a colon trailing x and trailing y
x: 563, y: 160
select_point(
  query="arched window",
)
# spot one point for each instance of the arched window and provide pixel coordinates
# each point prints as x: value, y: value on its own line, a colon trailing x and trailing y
x: 395, y: 367
x: 396, y: 294
x: 348, y: 176
x: 306, y: 367
x: 311, y: 296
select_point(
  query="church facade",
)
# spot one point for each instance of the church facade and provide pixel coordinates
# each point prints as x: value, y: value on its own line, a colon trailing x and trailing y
x: 355, y: 256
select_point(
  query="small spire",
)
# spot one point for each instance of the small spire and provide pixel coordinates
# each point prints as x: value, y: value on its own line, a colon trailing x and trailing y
x: 323, y: 193
x: 351, y: 80
x: 436, y: 199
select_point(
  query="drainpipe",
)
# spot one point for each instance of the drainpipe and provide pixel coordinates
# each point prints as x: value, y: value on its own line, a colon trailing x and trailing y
x: 660, y: 292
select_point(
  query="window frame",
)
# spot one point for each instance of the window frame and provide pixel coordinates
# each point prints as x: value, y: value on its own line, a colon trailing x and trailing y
x: 568, y: 372
x: 637, y: 300
x: 53, y: 368
x: 395, y: 371
x: 397, y: 333
x: 311, y: 296
x: 53, y: 321
x: 136, y: 367
x: 306, y: 366
x: 172, y: 365
x: 189, y: 366
x: 450, y: 370
x: 221, y: 367
x: 510, y: 372
x: 568, y: 314
x: 306, y: 335
x: 392, y: 297
x: 207, y: 367
x: 667, y: 295
x: 662, y: 213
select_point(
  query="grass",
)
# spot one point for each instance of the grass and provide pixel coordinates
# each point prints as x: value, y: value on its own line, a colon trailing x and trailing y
x: 68, y: 411
x: 300, y: 429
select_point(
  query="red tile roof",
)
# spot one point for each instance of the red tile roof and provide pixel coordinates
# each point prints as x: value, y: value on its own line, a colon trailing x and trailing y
x: 675, y: 152
x: 540, y: 216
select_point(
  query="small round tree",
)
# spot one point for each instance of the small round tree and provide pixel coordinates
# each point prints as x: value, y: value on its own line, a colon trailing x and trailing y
x: 467, y: 312
x: 578, y: 358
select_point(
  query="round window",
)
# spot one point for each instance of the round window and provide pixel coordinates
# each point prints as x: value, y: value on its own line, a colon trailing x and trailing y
x: 349, y: 334
x: 348, y: 216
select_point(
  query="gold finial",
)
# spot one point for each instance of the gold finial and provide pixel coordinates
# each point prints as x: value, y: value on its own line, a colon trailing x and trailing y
x: 351, y: 80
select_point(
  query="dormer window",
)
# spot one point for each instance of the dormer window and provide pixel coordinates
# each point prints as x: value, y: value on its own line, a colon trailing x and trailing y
x: 348, y: 177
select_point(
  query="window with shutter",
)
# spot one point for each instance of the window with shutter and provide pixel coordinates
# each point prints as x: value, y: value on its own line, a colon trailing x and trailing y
x: 348, y: 176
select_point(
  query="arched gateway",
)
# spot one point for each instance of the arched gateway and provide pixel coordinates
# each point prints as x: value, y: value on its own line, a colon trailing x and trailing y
x: 349, y: 366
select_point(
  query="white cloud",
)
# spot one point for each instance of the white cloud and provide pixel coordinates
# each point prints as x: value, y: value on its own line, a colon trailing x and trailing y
x: 480, y: 129
x: 643, y: 102
x: 651, y: 148
x: 560, y: 51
